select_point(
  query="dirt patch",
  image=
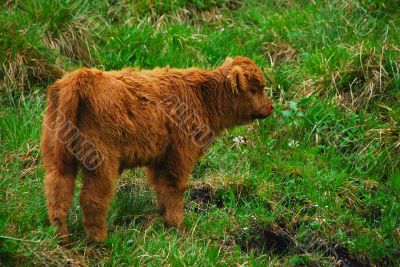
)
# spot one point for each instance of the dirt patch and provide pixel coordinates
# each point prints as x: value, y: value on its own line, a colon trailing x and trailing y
x: 341, y: 255
x: 345, y: 258
x: 263, y: 240
x: 278, y: 240
x: 202, y: 197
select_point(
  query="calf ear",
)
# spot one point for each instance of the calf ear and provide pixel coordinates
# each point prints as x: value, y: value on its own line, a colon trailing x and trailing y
x: 228, y: 61
x: 237, y: 79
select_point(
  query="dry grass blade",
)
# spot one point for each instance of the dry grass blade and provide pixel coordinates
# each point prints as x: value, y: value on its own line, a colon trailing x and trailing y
x: 75, y: 42
x: 26, y: 69
x: 279, y: 51
x: 384, y: 145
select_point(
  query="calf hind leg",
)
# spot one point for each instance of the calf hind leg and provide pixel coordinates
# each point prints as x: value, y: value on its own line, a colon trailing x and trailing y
x: 59, y: 190
x: 96, y: 194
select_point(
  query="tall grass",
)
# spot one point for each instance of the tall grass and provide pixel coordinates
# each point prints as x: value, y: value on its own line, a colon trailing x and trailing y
x: 319, y: 179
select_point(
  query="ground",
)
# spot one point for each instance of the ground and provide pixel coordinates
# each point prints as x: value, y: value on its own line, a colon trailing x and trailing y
x: 316, y: 184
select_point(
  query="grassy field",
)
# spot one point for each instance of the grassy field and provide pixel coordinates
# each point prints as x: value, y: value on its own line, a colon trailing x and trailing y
x: 316, y: 184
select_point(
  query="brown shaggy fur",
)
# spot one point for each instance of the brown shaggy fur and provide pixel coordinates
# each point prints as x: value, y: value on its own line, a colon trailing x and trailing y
x: 161, y: 119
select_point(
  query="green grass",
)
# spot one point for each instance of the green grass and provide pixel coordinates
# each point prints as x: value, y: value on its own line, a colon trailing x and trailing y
x: 316, y: 182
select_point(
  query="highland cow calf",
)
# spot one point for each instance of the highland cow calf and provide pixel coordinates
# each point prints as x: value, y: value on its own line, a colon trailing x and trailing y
x: 161, y: 119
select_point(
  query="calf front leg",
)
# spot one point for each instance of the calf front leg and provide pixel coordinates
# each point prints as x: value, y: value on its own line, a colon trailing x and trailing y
x: 171, y: 197
x: 170, y: 191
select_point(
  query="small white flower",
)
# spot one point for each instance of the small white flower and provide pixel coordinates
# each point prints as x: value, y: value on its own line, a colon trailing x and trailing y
x: 239, y: 139
x: 293, y: 143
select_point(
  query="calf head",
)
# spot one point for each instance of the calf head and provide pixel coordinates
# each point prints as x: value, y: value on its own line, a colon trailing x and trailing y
x: 247, y: 83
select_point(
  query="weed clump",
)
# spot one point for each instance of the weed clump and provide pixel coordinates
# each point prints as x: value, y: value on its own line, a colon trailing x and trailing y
x: 67, y: 27
x: 23, y: 65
